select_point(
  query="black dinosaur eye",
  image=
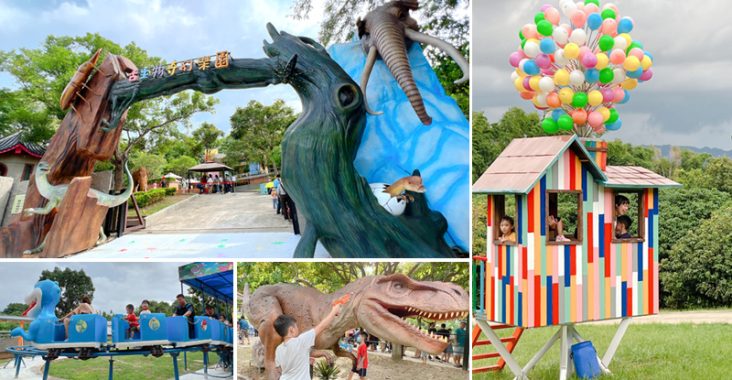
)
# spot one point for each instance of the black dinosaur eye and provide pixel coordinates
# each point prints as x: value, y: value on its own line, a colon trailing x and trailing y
x: 347, y: 95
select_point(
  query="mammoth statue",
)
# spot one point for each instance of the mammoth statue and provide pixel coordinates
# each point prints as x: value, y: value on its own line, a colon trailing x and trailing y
x: 386, y: 32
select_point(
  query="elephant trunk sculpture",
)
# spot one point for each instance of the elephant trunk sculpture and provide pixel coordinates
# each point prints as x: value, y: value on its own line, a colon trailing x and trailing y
x: 387, y: 31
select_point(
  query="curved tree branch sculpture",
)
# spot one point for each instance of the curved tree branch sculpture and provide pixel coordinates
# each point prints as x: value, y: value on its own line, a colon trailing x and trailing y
x: 317, y: 151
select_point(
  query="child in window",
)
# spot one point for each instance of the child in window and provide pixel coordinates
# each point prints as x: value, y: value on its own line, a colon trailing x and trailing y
x: 132, y: 319
x: 556, y: 229
x: 622, y: 203
x: 622, y: 226
x: 508, y: 233
x: 145, y: 307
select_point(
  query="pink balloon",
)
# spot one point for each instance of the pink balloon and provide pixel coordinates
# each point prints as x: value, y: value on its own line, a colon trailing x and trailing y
x: 584, y: 50
x: 578, y: 18
x: 543, y: 61
x: 529, y: 31
x: 595, y: 119
x: 637, y: 52
x: 589, y: 61
x: 545, y: 7
x: 607, y: 95
x: 619, y: 95
x: 549, y: 71
x: 591, y: 8
x: 515, y: 58
x: 526, y: 84
x: 551, y: 14
x: 609, y: 27
x: 617, y: 56
x: 647, y: 75
x: 614, y: 8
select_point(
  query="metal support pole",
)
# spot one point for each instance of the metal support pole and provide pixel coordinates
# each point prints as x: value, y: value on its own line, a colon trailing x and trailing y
x: 496, y: 341
x: 563, y: 355
x: 111, y: 367
x: 205, y: 364
x: 530, y: 365
x: 18, y: 362
x: 174, y: 355
x: 46, y: 369
x: 608, y: 357
x: 185, y: 361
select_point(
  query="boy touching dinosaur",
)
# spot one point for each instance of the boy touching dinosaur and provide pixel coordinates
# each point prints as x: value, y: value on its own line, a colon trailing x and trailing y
x: 292, y: 356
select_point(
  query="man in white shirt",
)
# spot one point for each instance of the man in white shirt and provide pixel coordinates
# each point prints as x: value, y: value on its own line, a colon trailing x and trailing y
x: 293, y: 355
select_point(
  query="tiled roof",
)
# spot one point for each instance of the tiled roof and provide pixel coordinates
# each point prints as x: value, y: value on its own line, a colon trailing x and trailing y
x: 14, y: 141
x: 524, y: 161
x: 635, y: 176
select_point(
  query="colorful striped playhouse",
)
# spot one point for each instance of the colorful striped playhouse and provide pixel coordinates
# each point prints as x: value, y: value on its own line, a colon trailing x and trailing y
x: 594, y: 272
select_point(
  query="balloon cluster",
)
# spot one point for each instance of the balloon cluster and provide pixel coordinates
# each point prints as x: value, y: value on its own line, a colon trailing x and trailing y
x: 579, y: 71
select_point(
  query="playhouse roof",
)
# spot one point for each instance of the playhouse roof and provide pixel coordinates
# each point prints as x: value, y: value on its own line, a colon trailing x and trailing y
x: 526, y: 160
x: 14, y: 143
x: 635, y: 176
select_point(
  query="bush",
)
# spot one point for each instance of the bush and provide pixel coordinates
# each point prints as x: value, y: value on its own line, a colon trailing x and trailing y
x: 146, y: 198
x: 698, y: 271
x: 170, y: 191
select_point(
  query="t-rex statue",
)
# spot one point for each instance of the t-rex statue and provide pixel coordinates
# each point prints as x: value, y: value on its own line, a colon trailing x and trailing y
x: 380, y: 304
x: 56, y: 193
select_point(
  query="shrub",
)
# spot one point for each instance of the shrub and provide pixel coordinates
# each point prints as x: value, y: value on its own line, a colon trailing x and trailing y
x: 698, y: 271
x: 146, y: 198
x: 170, y: 191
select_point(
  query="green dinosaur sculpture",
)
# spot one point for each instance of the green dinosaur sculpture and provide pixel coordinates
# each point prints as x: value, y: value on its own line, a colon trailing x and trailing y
x: 55, y: 194
x: 380, y: 304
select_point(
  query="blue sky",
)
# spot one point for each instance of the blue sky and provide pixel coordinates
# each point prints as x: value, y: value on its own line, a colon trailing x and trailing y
x: 172, y: 30
x: 686, y: 103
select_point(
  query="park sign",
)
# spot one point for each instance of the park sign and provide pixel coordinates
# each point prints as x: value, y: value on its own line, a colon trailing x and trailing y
x: 221, y: 60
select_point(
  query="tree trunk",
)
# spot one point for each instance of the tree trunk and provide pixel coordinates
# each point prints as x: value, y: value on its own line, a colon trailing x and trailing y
x: 119, y: 174
x: 397, y: 351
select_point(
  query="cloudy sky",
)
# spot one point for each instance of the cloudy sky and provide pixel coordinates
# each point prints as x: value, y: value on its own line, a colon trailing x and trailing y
x: 115, y: 284
x: 172, y: 30
x: 686, y: 103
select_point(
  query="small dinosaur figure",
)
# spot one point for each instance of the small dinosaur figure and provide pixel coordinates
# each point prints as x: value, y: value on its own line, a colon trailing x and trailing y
x: 399, y: 188
x: 55, y: 194
x: 380, y: 304
x: 42, y: 306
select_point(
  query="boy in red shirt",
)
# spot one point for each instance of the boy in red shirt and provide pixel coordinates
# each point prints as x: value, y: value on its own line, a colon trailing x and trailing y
x: 362, y: 359
x: 132, y: 319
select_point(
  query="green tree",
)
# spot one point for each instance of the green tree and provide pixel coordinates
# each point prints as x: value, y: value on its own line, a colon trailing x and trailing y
x: 15, y: 309
x: 152, y: 162
x: 208, y: 135
x: 623, y: 154
x: 698, y: 271
x: 260, y: 129
x: 719, y: 170
x: 74, y: 285
x: 180, y: 165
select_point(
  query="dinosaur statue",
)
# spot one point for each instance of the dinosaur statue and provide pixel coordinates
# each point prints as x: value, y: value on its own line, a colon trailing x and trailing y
x: 55, y: 194
x: 386, y: 32
x: 42, y: 307
x: 380, y: 304
x: 140, y: 178
x: 318, y: 150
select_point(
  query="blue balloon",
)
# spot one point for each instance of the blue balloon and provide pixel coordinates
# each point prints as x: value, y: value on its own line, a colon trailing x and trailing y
x: 592, y: 75
x: 626, y: 98
x: 614, y: 126
x: 594, y: 21
x: 557, y: 113
x: 646, y: 53
x: 547, y: 46
x: 531, y: 68
x: 625, y: 25
x: 635, y: 74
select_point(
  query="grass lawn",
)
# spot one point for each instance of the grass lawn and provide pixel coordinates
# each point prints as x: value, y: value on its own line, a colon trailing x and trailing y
x: 650, y: 351
x: 127, y: 367
x: 165, y: 202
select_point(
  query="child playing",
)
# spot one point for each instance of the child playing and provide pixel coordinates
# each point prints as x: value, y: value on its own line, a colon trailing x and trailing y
x: 556, y: 228
x: 508, y: 234
x: 362, y: 360
x: 622, y: 203
x: 131, y: 318
x: 145, y: 307
x: 293, y: 355
x: 621, y: 227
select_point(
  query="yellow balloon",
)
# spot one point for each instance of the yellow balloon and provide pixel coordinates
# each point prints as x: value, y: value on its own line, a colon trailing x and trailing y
x: 629, y: 84
x: 519, y: 84
x: 594, y: 97
x: 534, y: 82
x: 646, y: 62
x: 602, y: 61
x: 571, y: 51
x: 632, y: 63
x: 605, y: 113
x: 627, y: 38
x: 565, y: 95
x: 561, y: 77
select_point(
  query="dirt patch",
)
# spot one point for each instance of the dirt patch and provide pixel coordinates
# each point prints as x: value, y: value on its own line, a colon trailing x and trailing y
x: 380, y: 367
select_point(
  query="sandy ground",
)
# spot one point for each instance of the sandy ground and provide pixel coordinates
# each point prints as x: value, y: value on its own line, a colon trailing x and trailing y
x: 380, y: 367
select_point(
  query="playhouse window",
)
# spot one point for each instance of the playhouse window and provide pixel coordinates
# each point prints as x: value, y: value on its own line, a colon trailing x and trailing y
x: 563, y: 211
x: 504, y: 206
x: 633, y: 210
